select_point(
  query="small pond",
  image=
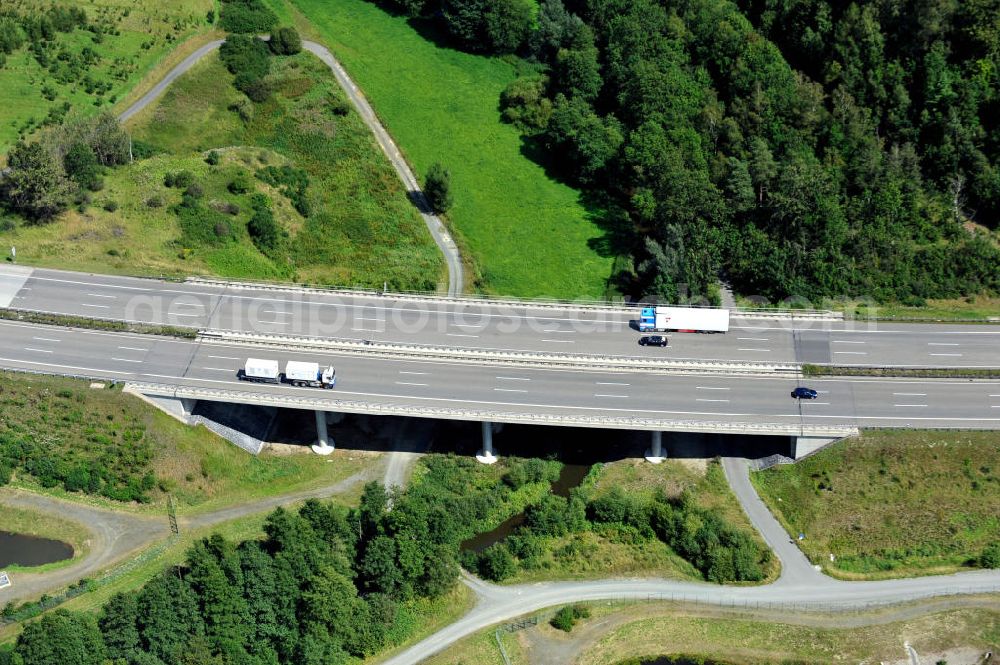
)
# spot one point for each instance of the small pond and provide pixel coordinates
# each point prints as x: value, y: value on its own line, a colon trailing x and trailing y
x: 570, y: 476
x: 18, y: 549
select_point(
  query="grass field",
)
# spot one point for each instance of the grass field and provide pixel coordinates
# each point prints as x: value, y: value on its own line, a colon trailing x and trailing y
x: 362, y: 230
x: 890, y: 504
x: 147, y: 31
x: 201, y: 471
x: 45, y: 525
x: 528, y: 234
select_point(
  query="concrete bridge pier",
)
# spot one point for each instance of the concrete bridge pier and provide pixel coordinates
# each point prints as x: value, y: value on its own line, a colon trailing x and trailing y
x: 323, y: 443
x: 807, y: 445
x: 486, y: 455
x: 655, y: 453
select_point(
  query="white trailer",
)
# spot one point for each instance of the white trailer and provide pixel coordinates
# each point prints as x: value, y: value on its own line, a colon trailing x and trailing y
x: 309, y: 375
x: 683, y: 319
x: 260, y: 371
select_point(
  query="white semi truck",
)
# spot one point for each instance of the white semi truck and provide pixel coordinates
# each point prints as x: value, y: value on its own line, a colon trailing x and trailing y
x: 296, y: 373
x: 683, y: 319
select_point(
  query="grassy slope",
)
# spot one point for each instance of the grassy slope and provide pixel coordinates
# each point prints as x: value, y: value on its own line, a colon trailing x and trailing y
x: 527, y: 233
x: 22, y: 78
x: 892, y: 503
x: 201, y: 470
x: 363, y: 230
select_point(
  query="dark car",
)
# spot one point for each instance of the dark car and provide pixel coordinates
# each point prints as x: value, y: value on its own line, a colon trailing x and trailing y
x: 804, y: 393
x: 653, y: 340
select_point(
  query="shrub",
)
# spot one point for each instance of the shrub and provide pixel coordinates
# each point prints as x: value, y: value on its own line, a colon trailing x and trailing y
x: 212, y: 159
x: 243, y: 108
x: 246, y: 55
x: 257, y: 90
x: 496, y: 563
x: 339, y: 107
x: 179, y: 180
x: 247, y: 16
x: 990, y: 558
x: 155, y: 201
x: 263, y: 230
x: 240, y: 184
x: 567, y: 617
x: 110, y: 206
x: 437, y: 188
x: 194, y: 191
x: 285, y: 41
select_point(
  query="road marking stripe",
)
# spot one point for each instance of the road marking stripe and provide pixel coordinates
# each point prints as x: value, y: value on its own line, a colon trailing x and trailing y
x: 460, y: 335
x: 126, y: 360
x: 193, y: 315
x: 136, y: 348
x: 942, y: 344
x: 816, y: 403
x: 224, y: 358
x: 702, y: 399
x: 709, y: 388
x: 368, y: 318
x: 954, y: 355
x: 845, y: 341
x: 46, y: 339
x: 98, y: 295
x: 28, y: 348
x: 363, y: 330
x: 218, y: 369
x: 510, y: 390
x: 513, y: 378
x: 567, y: 332
x: 87, y: 304
x: 920, y: 405
x: 764, y: 350
x: 603, y: 395
x: 560, y: 341
x: 853, y: 353
x: 402, y: 372
x: 187, y: 304
x: 911, y: 394
x: 405, y: 383
x: 611, y: 383
x: 754, y: 339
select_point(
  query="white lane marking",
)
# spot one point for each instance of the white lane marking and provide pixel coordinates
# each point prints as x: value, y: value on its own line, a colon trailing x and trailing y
x: 853, y: 353
x: 367, y: 318
x: 754, y: 339
x: 466, y: 325
x: 764, y: 350
x: 845, y: 341
x: 610, y: 383
x: 218, y: 369
x: 994, y: 395
x: 702, y: 399
x: 567, y: 332
x: 560, y: 341
x: 87, y: 304
x: 28, y: 348
x: 187, y: 304
x: 709, y: 388
x: 942, y: 344
x: 953, y: 355
x: 460, y: 335
x: 132, y: 348
x: 224, y: 358
x: 193, y: 315
x: 98, y: 295
x: 917, y: 405
x: 406, y: 383
x: 809, y: 401
x: 911, y: 394
x: 607, y: 395
x: 363, y: 330
x: 823, y: 392
x: 513, y: 378
x: 402, y: 372
x: 126, y: 360
x: 510, y: 390
x: 46, y: 339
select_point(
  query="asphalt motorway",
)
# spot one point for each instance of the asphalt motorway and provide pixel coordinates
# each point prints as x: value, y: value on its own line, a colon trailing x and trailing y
x: 507, y: 390
x: 475, y: 325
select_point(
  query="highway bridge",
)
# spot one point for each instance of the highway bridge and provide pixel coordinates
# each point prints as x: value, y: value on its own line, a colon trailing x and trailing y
x: 541, y: 363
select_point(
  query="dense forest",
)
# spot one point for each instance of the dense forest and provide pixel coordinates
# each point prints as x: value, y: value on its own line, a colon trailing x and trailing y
x: 791, y: 147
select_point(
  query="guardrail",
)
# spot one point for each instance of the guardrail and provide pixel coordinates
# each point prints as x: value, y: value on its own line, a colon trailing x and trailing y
x: 496, y: 357
x: 331, y: 403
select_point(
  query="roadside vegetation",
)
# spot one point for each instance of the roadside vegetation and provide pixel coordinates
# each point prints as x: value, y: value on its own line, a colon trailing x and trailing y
x: 670, y: 522
x: 528, y: 233
x: 61, y: 437
x: 291, y: 186
x: 56, y: 56
x: 893, y: 503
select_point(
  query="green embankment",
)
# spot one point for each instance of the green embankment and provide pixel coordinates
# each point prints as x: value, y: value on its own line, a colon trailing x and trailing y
x: 528, y: 234
x: 892, y: 503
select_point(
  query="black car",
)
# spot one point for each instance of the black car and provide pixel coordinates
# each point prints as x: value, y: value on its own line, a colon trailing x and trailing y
x: 804, y: 393
x: 653, y: 340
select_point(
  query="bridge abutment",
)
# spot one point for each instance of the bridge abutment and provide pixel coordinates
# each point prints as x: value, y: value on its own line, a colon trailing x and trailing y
x: 655, y: 453
x: 486, y: 455
x: 807, y: 445
x: 323, y: 442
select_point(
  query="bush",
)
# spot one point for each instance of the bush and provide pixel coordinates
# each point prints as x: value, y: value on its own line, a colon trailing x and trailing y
x: 567, y: 617
x: 110, y: 206
x: 990, y: 558
x: 155, y: 201
x: 194, y: 191
x: 263, y: 230
x: 7, y: 225
x: 241, y: 184
x: 285, y: 41
x: 246, y: 55
x: 179, y: 180
x: 339, y: 107
x: 247, y: 16
x: 243, y: 108
x: 496, y: 563
x: 437, y: 188
x: 212, y: 159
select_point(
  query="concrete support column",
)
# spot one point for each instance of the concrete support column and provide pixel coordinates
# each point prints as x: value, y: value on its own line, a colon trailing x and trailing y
x: 486, y: 455
x: 323, y: 444
x: 655, y: 453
